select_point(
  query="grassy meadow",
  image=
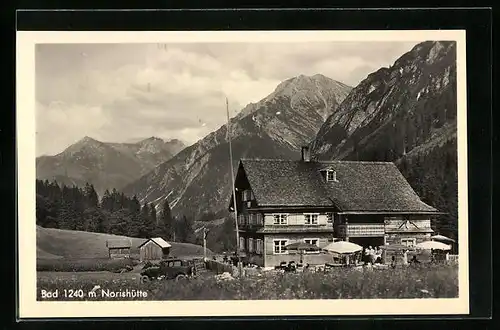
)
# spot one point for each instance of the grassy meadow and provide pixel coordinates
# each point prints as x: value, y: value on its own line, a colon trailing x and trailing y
x: 72, y: 244
x: 425, y: 281
x: 84, y: 264
x: 73, y: 260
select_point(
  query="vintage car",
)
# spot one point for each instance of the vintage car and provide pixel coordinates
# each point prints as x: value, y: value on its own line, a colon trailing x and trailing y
x: 290, y: 267
x: 167, y: 269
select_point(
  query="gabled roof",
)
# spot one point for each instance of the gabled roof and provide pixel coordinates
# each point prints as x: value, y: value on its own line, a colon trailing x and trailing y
x: 361, y: 186
x: 118, y: 243
x: 158, y: 241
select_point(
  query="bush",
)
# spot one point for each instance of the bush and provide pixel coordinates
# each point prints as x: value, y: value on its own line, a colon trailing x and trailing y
x: 218, y: 267
x: 83, y: 265
x: 424, y: 281
x: 408, y: 282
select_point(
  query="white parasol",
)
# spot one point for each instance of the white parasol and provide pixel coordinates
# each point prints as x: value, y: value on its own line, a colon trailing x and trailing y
x: 343, y: 247
x: 442, y: 238
x: 428, y: 245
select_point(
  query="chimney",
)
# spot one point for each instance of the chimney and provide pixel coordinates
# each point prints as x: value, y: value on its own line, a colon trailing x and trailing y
x: 306, y: 154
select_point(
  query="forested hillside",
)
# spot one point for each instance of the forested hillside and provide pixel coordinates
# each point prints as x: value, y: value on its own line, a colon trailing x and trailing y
x: 406, y: 114
x: 74, y: 208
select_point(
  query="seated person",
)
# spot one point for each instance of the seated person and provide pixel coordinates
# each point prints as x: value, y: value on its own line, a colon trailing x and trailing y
x: 414, y: 260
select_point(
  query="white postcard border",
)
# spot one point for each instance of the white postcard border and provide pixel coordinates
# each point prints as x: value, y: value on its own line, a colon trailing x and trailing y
x: 29, y: 307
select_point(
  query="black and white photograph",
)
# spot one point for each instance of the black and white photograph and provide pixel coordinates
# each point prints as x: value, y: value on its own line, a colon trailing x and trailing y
x: 263, y: 168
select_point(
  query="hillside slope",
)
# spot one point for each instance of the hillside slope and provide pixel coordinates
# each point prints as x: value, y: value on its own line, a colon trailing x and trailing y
x: 406, y: 114
x: 197, y: 181
x: 59, y: 243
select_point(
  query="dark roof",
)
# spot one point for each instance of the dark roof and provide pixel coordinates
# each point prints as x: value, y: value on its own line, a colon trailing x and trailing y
x: 361, y: 186
x: 118, y: 243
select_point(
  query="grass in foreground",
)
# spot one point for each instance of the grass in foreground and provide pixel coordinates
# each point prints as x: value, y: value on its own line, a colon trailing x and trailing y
x: 84, y: 265
x: 422, y: 282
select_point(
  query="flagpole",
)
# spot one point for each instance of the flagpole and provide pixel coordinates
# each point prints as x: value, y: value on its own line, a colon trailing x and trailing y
x: 232, y: 181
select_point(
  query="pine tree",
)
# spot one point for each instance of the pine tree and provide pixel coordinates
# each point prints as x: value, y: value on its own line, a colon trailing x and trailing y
x: 154, y: 220
x: 135, y: 217
x: 94, y: 220
x: 115, y: 196
x: 67, y: 216
x: 107, y: 201
x: 146, y: 226
x: 91, y: 198
x: 166, y: 223
x: 119, y: 221
x: 185, y: 229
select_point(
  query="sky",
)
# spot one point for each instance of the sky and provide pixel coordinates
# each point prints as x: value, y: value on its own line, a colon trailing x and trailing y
x: 127, y: 92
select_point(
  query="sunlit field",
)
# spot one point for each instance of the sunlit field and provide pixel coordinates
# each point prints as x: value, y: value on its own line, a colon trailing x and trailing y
x: 425, y: 281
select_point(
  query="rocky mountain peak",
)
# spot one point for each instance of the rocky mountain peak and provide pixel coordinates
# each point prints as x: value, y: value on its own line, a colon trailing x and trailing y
x: 303, y: 92
x: 305, y: 84
x: 418, y: 86
x: 197, y: 179
x: 86, y: 143
x: 88, y: 139
x: 151, y: 139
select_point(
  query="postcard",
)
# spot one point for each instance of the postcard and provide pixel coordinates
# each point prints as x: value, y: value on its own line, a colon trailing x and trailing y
x: 248, y: 173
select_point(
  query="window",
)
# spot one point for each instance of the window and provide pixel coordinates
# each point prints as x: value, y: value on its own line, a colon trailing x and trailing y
x: 280, y: 219
x: 329, y: 217
x: 312, y: 241
x: 279, y: 246
x: 242, y: 243
x: 409, y: 242
x: 250, y: 245
x: 331, y: 175
x: 258, y: 246
x: 311, y: 219
x: 247, y: 195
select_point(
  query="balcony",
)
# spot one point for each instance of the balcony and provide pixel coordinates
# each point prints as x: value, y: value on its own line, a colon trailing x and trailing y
x: 250, y: 221
x: 361, y: 230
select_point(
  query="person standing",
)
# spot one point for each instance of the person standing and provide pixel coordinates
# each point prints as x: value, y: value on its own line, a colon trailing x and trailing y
x: 393, y: 262
x: 405, y: 257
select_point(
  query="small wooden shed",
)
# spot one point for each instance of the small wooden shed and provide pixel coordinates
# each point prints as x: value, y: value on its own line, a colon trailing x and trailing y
x: 154, y: 249
x: 119, y: 248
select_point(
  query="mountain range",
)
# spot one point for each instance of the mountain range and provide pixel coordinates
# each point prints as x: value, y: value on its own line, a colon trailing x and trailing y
x: 406, y: 114
x: 197, y: 180
x: 105, y: 165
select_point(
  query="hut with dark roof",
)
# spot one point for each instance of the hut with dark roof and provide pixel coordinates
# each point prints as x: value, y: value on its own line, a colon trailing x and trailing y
x: 119, y: 248
x: 280, y: 202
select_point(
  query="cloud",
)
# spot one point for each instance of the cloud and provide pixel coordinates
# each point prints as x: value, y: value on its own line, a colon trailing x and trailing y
x: 57, y: 123
x: 119, y: 92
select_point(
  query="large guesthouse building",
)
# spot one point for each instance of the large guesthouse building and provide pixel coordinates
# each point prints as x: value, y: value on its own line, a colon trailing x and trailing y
x: 280, y: 202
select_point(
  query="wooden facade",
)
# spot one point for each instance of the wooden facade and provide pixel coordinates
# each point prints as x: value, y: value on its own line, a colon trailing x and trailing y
x: 263, y: 234
x: 260, y: 232
x: 118, y: 248
x: 154, y: 250
x: 280, y: 202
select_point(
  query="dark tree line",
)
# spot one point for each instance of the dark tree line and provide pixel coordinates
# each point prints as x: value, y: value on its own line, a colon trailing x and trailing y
x: 75, y: 208
x: 434, y: 176
x: 432, y: 170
